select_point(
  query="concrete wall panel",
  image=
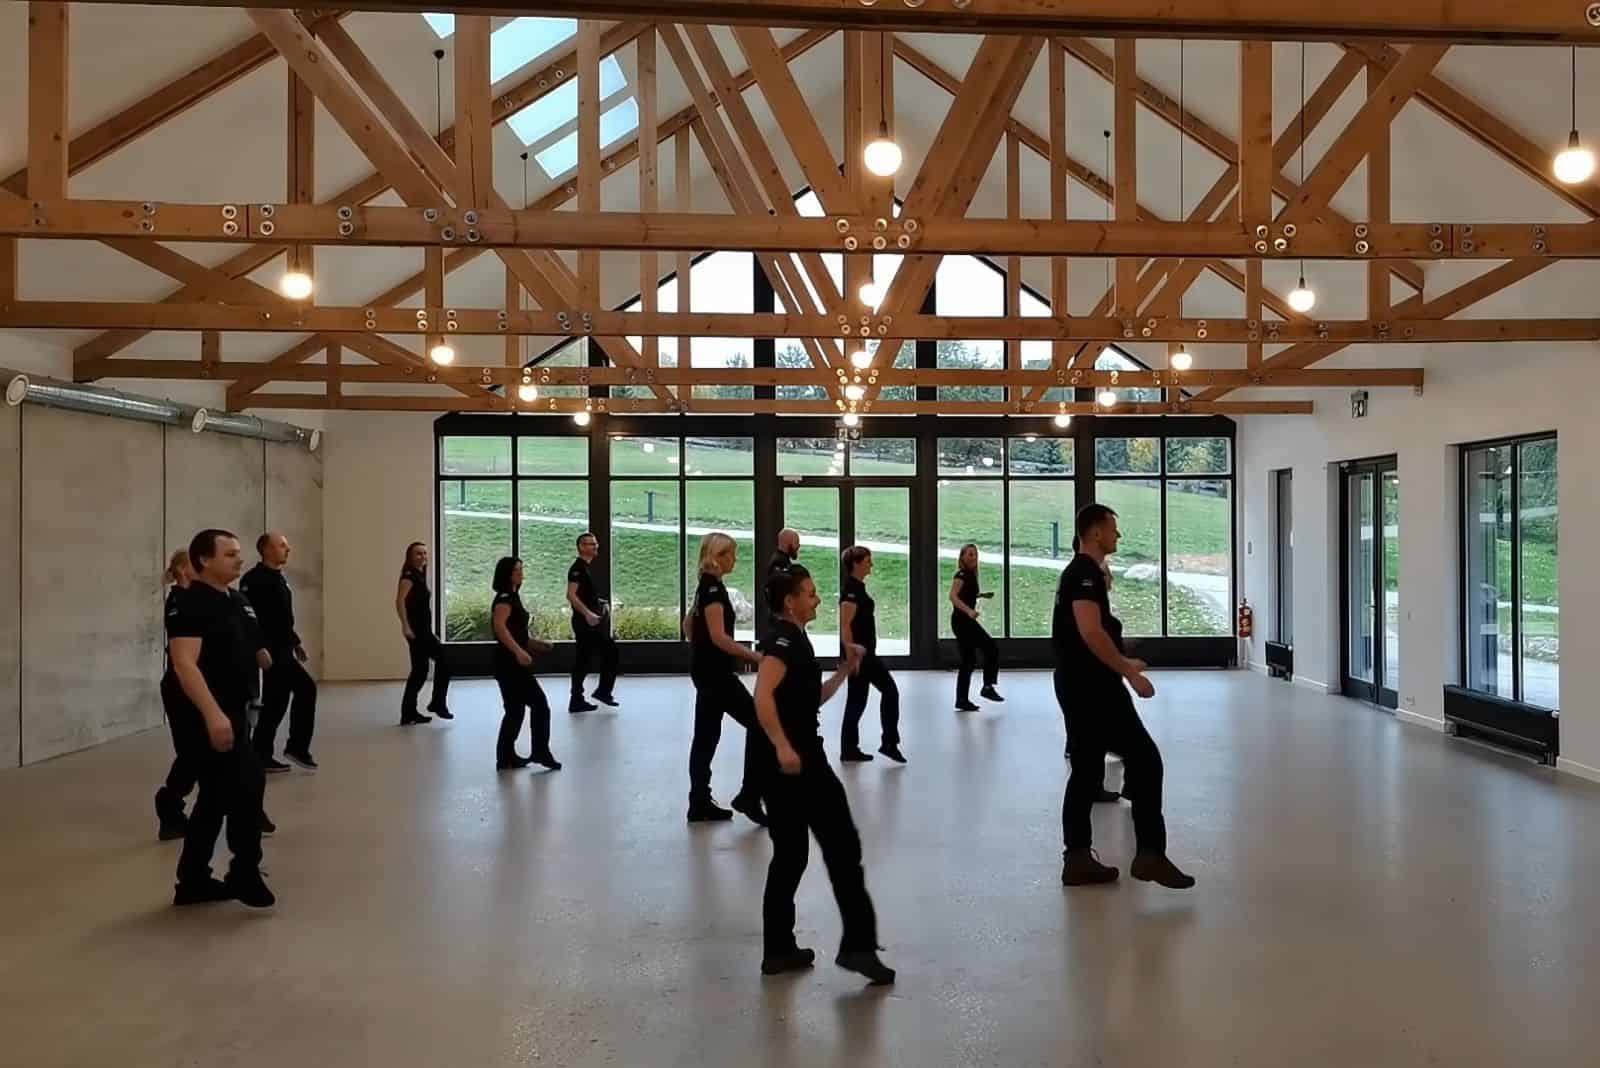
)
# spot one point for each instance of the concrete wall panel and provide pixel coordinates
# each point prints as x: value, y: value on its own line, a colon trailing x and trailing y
x: 294, y: 507
x: 10, y: 606
x: 91, y: 537
x: 214, y: 480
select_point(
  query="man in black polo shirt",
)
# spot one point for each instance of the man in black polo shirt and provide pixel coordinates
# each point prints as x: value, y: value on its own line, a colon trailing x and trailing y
x: 589, y: 629
x: 783, y: 558
x: 205, y: 690
x: 1100, y: 716
x: 273, y: 601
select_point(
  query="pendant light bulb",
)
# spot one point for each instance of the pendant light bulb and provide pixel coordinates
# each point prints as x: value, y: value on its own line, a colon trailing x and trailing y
x: 861, y: 359
x: 871, y: 296
x: 854, y: 392
x: 296, y: 285
x: 1575, y: 163
x: 1181, y: 360
x: 1063, y: 420
x: 1301, y: 298
x: 581, y: 418
x: 1107, y: 398
x: 851, y: 419
x: 442, y: 354
x: 882, y: 155
x: 527, y: 393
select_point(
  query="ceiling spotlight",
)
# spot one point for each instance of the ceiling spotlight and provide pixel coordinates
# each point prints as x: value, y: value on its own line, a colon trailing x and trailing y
x: 581, y: 418
x: 1107, y: 398
x: 1063, y: 420
x: 851, y: 419
x: 854, y: 392
x: 870, y: 295
x: 442, y: 354
x: 1575, y: 163
x: 1181, y: 360
x: 882, y: 156
x: 527, y: 392
x: 297, y: 285
x: 1302, y: 299
x: 861, y: 359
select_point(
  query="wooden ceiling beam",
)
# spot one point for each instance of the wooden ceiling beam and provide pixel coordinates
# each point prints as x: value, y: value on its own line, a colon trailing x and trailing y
x: 796, y: 121
x: 1125, y: 187
x: 1463, y: 21
x: 47, y: 99
x: 474, y: 147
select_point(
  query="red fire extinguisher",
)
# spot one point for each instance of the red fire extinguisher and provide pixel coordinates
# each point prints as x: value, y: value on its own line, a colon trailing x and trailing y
x: 1247, y: 619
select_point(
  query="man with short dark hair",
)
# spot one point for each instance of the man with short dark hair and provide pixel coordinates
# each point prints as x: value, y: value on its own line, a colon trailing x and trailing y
x: 287, y: 678
x: 205, y: 690
x: 783, y: 558
x: 1100, y: 717
x: 590, y: 629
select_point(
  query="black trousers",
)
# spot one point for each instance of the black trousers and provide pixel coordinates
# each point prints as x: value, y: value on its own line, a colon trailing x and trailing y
x: 181, y: 778
x: 871, y: 673
x: 715, y: 694
x: 287, y: 678
x: 520, y: 692
x: 798, y: 806
x: 231, y: 790
x: 593, y: 642
x: 1101, y: 719
x: 972, y: 639
x: 425, y: 647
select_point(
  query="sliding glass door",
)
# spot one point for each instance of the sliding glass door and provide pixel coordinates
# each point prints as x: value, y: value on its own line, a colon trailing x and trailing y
x: 1370, y: 566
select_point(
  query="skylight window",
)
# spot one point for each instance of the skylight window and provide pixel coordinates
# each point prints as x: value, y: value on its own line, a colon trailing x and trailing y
x: 554, y: 110
x: 615, y: 124
x: 516, y: 44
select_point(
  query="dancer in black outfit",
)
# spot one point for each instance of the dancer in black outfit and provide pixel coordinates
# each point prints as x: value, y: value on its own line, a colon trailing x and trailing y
x: 205, y: 689
x: 1113, y: 628
x: 858, y: 625
x: 803, y: 794
x: 273, y: 601
x: 589, y: 629
x: 971, y: 638
x: 513, y: 671
x: 782, y: 559
x: 414, y: 605
x: 1100, y: 716
x: 714, y: 666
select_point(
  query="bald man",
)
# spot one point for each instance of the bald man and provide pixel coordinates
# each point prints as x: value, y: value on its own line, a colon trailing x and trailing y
x: 782, y: 560
x: 287, y: 679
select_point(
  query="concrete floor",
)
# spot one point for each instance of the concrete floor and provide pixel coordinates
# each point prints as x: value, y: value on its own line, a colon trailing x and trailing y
x: 1370, y: 894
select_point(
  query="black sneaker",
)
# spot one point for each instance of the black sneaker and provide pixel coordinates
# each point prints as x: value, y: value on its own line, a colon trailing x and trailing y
x: 441, y: 712
x: 301, y: 758
x: 250, y: 890
x: 708, y: 811
x: 1107, y: 797
x: 268, y: 828
x: 893, y: 753
x: 854, y: 756
x: 1083, y: 868
x: 411, y: 719
x: 866, y: 963
x: 607, y: 699
x: 989, y: 693
x: 581, y: 706
x: 966, y: 706
x: 173, y: 829
x: 1156, y: 868
x: 794, y: 960
x: 273, y: 766
x: 545, y: 760
x: 202, y: 893
x: 750, y: 807
x: 512, y: 763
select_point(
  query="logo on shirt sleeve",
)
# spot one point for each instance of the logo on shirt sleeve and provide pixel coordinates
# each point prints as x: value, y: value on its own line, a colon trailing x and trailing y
x: 781, y: 643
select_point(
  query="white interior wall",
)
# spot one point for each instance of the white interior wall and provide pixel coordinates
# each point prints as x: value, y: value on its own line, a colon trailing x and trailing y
x: 379, y: 478
x: 1473, y: 393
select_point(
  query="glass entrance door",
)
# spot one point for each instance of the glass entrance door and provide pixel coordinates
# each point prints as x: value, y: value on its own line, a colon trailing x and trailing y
x: 1371, y: 570
x: 814, y: 513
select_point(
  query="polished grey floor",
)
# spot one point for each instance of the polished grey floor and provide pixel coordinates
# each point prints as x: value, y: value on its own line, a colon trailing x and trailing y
x: 1370, y: 894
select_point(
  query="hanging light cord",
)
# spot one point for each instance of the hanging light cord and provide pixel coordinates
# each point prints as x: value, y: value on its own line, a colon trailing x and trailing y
x: 1574, y: 88
x: 1183, y: 212
x: 1106, y: 208
x: 522, y: 292
x: 1302, y: 141
x: 438, y: 93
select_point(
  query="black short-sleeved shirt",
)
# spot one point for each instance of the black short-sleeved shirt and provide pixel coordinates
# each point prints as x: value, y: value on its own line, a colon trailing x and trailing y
x: 799, y: 695
x: 1083, y: 580
x: 579, y: 573
x: 864, y: 627
x: 967, y: 592
x: 226, y: 626
x: 269, y: 594
x: 516, y: 624
x: 419, y: 601
x: 706, y: 658
x: 780, y: 564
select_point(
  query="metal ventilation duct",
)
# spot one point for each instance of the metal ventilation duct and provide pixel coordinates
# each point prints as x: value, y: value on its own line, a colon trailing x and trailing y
x: 96, y: 400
